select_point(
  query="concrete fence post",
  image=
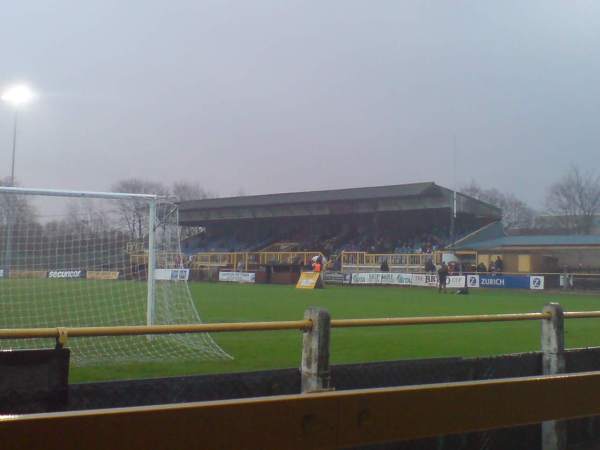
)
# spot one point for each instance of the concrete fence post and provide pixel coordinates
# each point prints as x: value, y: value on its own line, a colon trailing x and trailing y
x: 554, y: 433
x: 566, y: 280
x: 315, y: 351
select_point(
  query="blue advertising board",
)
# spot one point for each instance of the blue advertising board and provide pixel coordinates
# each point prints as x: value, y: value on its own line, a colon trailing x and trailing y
x: 499, y: 281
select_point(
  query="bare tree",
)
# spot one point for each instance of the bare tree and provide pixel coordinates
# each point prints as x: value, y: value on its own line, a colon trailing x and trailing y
x: 88, y: 217
x: 185, y: 191
x: 574, y: 200
x: 17, y: 208
x: 515, y: 212
x: 134, y: 213
x: 17, y: 221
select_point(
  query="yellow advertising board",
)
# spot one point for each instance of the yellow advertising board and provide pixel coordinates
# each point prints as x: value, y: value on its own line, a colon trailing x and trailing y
x: 309, y: 280
x: 102, y: 275
x: 27, y: 273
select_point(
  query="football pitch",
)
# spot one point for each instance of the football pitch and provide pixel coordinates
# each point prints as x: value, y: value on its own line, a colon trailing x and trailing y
x: 220, y: 302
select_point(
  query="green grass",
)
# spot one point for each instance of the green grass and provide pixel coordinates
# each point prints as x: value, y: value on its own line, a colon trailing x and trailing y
x: 266, y: 350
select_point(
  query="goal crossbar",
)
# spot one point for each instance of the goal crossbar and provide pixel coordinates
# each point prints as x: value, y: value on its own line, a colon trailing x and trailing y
x: 79, y: 194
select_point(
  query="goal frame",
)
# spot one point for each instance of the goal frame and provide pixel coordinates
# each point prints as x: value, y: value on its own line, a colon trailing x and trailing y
x: 151, y: 199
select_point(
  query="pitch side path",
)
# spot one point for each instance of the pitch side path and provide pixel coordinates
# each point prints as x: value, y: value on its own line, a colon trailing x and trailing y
x: 221, y: 302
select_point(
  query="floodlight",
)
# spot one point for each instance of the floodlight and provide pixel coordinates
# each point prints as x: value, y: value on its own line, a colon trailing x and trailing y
x: 18, y: 95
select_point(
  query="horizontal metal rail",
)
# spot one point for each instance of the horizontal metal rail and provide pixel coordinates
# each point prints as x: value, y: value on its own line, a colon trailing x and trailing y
x: 302, y: 325
x: 24, y: 333
x: 581, y: 314
x: 432, y: 320
x: 328, y: 420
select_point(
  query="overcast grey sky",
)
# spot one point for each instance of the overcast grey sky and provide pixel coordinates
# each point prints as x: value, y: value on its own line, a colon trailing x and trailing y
x: 281, y: 95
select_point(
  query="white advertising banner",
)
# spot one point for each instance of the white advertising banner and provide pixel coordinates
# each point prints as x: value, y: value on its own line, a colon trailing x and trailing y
x: 397, y: 279
x: 424, y: 280
x: 430, y: 280
x: 337, y: 277
x: 171, y: 274
x: 366, y: 278
x: 388, y: 278
x: 237, y: 277
x: 456, y: 281
x: 77, y: 273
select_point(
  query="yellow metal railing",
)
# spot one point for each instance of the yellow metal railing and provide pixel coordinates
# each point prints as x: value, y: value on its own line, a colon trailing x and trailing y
x: 234, y: 260
x: 399, y: 260
x: 302, y: 325
x: 215, y: 259
x: 163, y: 259
x: 246, y: 260
x: 287, y: 257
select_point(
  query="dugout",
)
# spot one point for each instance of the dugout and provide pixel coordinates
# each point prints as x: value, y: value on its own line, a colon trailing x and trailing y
x: 532, y: 253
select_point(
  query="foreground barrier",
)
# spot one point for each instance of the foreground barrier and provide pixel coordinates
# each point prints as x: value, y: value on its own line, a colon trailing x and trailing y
x: 315, y: 377
x: 328, y: 420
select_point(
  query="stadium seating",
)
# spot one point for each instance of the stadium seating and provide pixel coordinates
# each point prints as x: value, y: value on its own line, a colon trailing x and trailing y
x: 392, y: 241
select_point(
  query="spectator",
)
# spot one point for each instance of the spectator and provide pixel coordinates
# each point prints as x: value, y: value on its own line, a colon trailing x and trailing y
x: 481, y: 267
x: 337, y: 264
x: 442, y: 277
x: 429, y: 266
x: 316, y: 266
x: 384, y: 266
x: 498, y: 265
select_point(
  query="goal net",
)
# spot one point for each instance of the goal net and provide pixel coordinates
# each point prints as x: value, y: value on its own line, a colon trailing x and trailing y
x: 76, y: 259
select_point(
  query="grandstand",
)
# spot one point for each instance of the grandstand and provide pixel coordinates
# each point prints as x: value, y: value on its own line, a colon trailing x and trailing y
x: 409, y: 220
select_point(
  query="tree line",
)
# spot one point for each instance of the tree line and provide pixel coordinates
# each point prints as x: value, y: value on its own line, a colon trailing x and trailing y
x: 80, y: 220
x: 570, y: 206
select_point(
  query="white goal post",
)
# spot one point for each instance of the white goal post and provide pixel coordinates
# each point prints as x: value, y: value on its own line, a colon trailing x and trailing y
x: 79, y: 258
x: 152, y: 199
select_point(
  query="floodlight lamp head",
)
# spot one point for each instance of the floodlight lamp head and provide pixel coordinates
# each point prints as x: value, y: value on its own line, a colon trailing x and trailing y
x: 18, y: 95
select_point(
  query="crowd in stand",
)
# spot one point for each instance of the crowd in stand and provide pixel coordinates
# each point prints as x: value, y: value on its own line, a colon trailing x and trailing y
x: 399, y: 241
x: 202, y: 242
x: 328, y: 244
x: 384, y: 243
